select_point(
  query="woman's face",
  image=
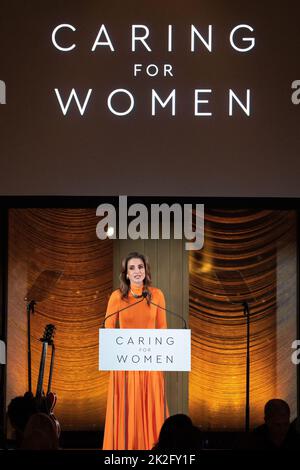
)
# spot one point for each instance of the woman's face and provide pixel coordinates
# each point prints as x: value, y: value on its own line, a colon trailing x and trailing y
x: 136, y: 271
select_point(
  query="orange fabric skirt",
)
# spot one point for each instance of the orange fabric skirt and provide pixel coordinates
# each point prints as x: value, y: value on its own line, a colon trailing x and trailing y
x: 136, y: 410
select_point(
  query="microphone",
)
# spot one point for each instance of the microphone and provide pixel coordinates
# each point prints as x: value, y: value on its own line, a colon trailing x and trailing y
x: 30, y: 305
x: 246, y: 308
x: 144, y: 295
x: 245, y: 305
x: 169, y: 311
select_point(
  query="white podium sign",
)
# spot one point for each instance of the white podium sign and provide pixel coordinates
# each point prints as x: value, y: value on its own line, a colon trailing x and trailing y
x: 144, y: 349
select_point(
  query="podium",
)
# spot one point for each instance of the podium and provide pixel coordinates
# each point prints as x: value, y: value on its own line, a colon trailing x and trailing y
x: 128, y: 352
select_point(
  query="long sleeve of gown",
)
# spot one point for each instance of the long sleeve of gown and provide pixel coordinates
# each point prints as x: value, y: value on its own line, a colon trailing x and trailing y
x: 112, y: 307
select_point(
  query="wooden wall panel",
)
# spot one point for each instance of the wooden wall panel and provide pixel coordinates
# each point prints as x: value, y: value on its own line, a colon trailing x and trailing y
x: 60, y: 240
x: 247, y: 255
x: 258, y: 245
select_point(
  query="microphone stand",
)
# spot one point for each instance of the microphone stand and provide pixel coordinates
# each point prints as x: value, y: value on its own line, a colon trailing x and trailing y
x: 172, y: 313
x: 247, y: 415
x: 38, y: 292
x: 121, y: 309
x: 30, y: 309
x: 246, y: 307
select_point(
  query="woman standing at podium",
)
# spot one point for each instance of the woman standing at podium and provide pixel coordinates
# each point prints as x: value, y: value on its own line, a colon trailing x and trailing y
x: 136, y: 404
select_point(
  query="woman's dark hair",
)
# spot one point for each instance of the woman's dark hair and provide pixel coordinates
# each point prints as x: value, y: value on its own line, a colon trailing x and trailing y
x: 124, y: 282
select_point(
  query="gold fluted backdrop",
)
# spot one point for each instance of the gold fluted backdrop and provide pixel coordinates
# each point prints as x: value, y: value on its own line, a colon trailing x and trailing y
x: 248, y: 255
x: 42, y: 243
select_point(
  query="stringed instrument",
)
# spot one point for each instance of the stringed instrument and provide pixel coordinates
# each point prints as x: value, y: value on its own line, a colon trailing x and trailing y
x: 46, y: 403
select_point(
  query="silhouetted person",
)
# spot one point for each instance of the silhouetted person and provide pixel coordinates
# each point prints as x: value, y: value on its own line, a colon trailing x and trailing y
x: 19, y: 410
x: 296, y: 425
x: 178, y: 433
x: 40, y: 433
x: 276, y: 432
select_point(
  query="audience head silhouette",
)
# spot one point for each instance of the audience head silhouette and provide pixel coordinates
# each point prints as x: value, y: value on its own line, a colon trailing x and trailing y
x: 19, y: 411
x: 277, y: 420
x: 178, y: 432
x: 276, y: 432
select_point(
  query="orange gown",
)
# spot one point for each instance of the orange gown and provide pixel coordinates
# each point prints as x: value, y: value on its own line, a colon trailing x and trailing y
x: 144, y: 394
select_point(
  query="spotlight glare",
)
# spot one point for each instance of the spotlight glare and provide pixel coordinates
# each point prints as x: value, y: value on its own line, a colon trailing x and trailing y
x: 110, y: 231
